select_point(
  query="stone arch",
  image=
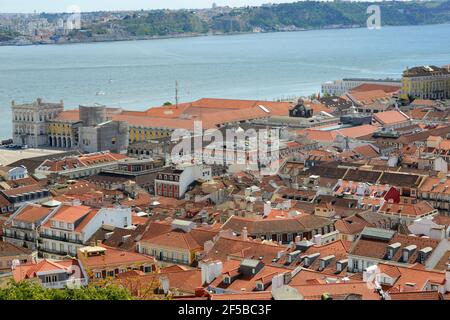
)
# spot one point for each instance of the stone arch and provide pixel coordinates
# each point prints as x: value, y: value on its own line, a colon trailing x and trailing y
x: 59, y: 142
x: 64, y: 142
x: 69, y: 143
x: 50, y: 141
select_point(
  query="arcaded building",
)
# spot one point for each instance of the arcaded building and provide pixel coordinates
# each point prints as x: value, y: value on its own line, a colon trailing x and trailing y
x: 30, y: 121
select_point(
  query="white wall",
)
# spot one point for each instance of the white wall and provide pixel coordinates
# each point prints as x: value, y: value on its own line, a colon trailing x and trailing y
x: 109, y: 216
x: 17, y: 173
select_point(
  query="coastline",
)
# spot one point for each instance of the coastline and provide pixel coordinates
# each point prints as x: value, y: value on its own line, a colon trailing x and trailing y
x: 193, y: 35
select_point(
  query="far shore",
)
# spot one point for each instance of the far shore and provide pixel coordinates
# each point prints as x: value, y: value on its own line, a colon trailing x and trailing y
x: 188, y: 35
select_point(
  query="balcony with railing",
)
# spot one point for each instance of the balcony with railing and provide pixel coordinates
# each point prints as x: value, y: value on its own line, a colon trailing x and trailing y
x: 55, y: 251
x: 18, y: 237
x: 24, y: 227
x: 59, y: 238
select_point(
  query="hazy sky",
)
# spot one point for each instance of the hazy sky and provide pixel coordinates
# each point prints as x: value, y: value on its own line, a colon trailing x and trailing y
x: 13, y: 6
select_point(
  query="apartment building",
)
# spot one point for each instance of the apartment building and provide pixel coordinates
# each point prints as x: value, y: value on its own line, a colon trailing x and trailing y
x: 406, y: 213
x: 340, y: 87
x: 52, y: 274
x: 437, y: 192
x: 11, y: 254
x: 73, y: 167
x: 71, y: 226
x: 34, y: 193
x: 378, y: 245
x: 426, y: 82
x: 103, y: 262
x: 21, y: 229
x: 30, y: 121
x: 174, y: 183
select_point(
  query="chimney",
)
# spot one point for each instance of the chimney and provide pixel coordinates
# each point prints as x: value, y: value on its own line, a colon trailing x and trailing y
x: 210, y: 270
x: 280, y: 254
x: 244, y: 234
x: 267, y: 208
x: 164, y: 284
x: 292, y: 245
x: 14, y: 264
x: 317, y: 239
x: 287, y: 204
x: 437, y: 233
x: 108, y: 235
x: 200, y: 292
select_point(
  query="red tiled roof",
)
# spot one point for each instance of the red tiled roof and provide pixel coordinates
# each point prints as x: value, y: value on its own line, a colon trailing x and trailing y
x: 413, y: 210
x: 27, y: 271
x: 378, y: 249
x: 22, y: 190
x: 420, y: 295
x: 263, y: 295
x: 374, y: 86
x: 68, y: 115
x: 413, y: 278
x: 115, y: 257
x: 175, y: 239
x: 337, y: 290
x: 390, y: 117
x: 31, y: 213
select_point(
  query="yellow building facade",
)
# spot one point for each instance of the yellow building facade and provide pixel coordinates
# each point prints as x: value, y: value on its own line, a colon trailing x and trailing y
x: 426, y: 82
x: 139, y: 134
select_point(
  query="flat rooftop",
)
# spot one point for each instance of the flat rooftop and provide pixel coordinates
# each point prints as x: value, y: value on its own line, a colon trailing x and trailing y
x: 10, y: 156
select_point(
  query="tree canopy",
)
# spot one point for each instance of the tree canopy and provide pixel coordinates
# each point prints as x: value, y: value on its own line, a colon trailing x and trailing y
x: 31, y: 290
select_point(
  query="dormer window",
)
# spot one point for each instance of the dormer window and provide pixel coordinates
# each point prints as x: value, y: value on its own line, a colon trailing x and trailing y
x: 407, y: 252
x: 392, y: 250
x: 227, y: 279
x: 260, y: 286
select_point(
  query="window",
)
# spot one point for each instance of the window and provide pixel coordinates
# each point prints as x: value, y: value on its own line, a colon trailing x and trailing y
x: 289, y: 237
x: 98, y: 275
x: 61, y: 224
x: 53, y: 278
x: 355, y: 265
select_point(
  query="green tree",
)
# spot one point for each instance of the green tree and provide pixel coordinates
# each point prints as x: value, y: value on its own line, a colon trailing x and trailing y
x: 32, y: 290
